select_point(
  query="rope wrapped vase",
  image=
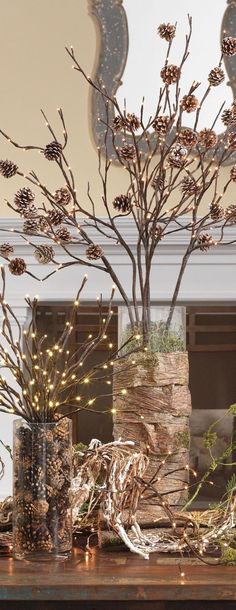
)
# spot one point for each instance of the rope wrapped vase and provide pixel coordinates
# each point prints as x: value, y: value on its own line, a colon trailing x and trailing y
x: 152, y: 407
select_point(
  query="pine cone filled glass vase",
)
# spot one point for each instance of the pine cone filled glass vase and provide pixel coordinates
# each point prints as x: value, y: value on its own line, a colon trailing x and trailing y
x: 42, y: 465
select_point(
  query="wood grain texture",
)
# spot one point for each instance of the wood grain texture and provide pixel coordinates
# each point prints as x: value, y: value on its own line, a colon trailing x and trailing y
x: 154, y: 412
x: 115, y: 577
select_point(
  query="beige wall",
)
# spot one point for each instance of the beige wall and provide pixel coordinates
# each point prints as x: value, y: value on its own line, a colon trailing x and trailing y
x: 36, y: 73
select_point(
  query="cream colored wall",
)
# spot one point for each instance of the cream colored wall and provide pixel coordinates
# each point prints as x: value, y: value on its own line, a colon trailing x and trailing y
x: 36, y: 73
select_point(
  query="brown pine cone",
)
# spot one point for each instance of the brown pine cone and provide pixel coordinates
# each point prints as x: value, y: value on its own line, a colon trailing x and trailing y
x: 30, y: 212
x: 55, y: 217
x: 63, y: 234
x: 156, y: 232
x: 158, y: 183
x: 62, y: 196
x: 44, y: 254
x: 170, y: 74
x: 188, y: 138
x: 216, y: 211
x: 232, y: 141
x: 132, y: 122
x: 54, y: 465
x: 216, y: 76
x: 161, y: 124
x: 230, y: 214
x: 207, y: 138
x: 205, y: 241
x: 118, y: 123
x: 24, y: 196
x: 94, y: 252
x: 189, y: 103
x: 189, y: 186
x: 40, y: 507
x: 227, y: 117
x: 6, y: 249
x: 53, y: 151
x: 166, y: 31
x: 8, y: 168
x: 17, y: 266
x: 43, y: 224
x: 122, y: 203
x: 30, y: 226
x: 233, y: 173
x: 228, y: 45
x: 127, y: 152
x: 177, y: 156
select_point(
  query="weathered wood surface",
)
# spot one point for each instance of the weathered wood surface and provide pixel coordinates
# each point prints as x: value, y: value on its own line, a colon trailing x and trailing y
x: 115, y: 577
x: 154, y: 413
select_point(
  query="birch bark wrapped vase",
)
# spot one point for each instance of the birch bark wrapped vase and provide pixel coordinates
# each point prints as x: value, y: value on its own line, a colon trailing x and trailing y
x: 152, y: 402
x: 42, y: 519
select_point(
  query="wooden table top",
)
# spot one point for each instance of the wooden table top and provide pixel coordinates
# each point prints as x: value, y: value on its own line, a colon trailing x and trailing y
x: 112, y: 575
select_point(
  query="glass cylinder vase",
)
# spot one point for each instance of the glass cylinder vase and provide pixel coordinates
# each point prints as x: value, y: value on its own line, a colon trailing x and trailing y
x: 158, y: 329
x: 42, y: 470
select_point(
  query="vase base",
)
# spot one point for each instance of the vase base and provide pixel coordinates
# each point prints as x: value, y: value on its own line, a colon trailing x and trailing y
x: 40, y: 556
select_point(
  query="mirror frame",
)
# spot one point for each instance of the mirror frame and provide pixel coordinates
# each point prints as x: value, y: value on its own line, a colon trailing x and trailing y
x: 111, y: 18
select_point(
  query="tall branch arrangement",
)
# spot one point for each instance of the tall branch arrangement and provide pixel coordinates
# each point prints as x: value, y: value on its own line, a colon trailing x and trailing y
x: 183, y: 166
x: 47, y: 375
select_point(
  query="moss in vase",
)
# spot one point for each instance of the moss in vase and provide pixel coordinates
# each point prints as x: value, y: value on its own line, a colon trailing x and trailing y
x: 159, y: 340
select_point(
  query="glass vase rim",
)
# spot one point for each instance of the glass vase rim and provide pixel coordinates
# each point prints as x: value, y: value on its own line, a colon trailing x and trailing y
x: 41, y: 423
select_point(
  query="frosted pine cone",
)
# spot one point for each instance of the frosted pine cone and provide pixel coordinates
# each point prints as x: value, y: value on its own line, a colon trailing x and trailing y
x: 166, y: 31
x: 216, y: 76
x: 233, y: 173
x: 23, y: 199
x: 132, y: 122
x: 8, y: 168
x: 6, y: 249
x: 156, y: 232
x: 94, y: 252
x: 227, y: 117
x: 207, y: 138
x: 62, y: 196
x: 170, y: 74
x: 63, y: 234
x: 122, y: 203
x: 216, y: 211
x: 205, y: 241
x: 31, y: 226
x: 189, y: 103
x: 118, y: 123
x: 30, y: 212
x: 17, y: 266
x: 230, y: 214
x: 44, y: 254
x: 127, y: 152
x: 189, y: 186
x: 228, y: 45
x: 232, y: 141
x: 188, y: 138
x: 55, y: 217
x: 53, y: 151
x: 161, y: 124
x: 158, y: 183
x: 177, y: 156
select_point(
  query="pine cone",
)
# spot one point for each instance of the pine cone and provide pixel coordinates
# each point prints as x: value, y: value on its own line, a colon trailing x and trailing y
x: 205, y: 241
x: 230, y: 214
x: 17, y: 266
x: 8, y: 168
x: 31, y: 226
x: 189, y: 186
x: 189, y: 103
x: 122, y: 203
x: 94, y: 252
x: 233, y: 173
x: 62, y: 196
x: 63, y: 234
x: 188, y: 138
x: 132, y: 122
x: 232, y: 141
x: 43, y: 224
x: 44, y: 254
x: 127, y: 152
x: 228, y: 46
x: 166, y: 31
x: 158, y: 183
x: 216, y: 76
x: 30, y: 212
x: 6, y: 249
x: 227, y: 117
x: 156, y: 232
x: 53, y: 151
x: 118, y: 123
x: 24, y: 198
x: 170, y: 74
x: 55, y: 217
x: 161, y: 124
x: 216, y: 211
x: 207, y: 138
x: 177, y: 156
